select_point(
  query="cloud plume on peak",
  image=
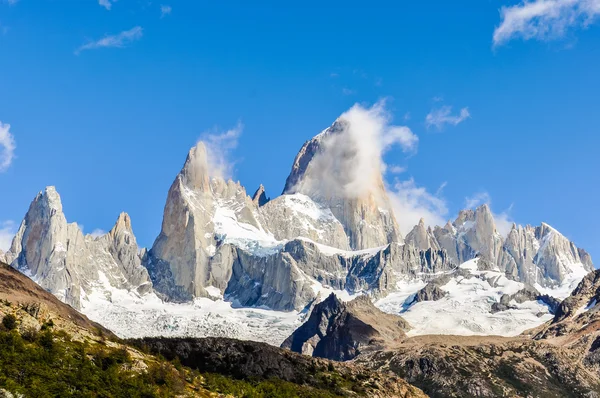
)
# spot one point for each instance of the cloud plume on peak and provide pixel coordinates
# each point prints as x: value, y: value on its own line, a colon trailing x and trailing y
x: 350, y: 162
x: 219, y: 147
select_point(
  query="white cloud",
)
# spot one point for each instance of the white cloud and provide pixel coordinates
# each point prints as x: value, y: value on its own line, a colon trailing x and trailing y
x: 503, y: 220
x: 442, y: 116
x: 347, y: 91
x: 350, y: 162
x: 544, y: 19
x: 7, y: 233
x: 219, y: 147
x: 98, y: 233
x: 119, y: 40
x: 10, y: 2
x: 477, y: 200
x: 395, y: 169
x: 107, y: 3
x: 7, y: 147
x: 411, y: 203
x: 165, y: 10
x: 441, y: 188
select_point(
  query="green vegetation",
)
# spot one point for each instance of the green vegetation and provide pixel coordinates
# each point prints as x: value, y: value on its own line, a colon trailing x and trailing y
x: 9, y: 322
x: 48, y: 364
x: 274, y: 388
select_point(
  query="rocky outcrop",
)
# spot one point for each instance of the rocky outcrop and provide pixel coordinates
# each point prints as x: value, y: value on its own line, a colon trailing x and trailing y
x: 61, y: 259
x: 532, y: 255
x: 432, y: 291
x: 197, y: 205
x: 422, y: 238
x: 523, y: 295
x: 341, y: 331
x: 469, y: 366
x: 260, y: 197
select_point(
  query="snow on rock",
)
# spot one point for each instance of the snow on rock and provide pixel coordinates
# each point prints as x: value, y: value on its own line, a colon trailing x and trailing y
x: 465, y: 310
x: 130, y: 316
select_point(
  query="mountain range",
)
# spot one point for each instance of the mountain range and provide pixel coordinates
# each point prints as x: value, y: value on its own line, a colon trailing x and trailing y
x: 229, y: 264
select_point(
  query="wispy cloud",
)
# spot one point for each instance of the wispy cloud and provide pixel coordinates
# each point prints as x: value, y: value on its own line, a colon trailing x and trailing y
x: 412, y: 202
x: 9, y: 2
x: 440, y: 117
x: 503, y: 220
x: 165, y: 10
x: 119, y: 40
x: 97, y: 233
x: 107, y: 3
x: 7, y: 232
x: 219, y: 147
x: 7, y: 147
x: 544, y: 19
x: 347, y: 91
x: 395, y: 169
x: 477, y: 199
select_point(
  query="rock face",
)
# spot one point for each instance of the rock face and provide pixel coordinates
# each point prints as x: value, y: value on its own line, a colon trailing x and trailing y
x: 260, y: 197
x: 468, y: 366
x: 539, y: 255
x: 422, y: 238
x: 432, y: 291
x: 366, y: 216
x: 577, y: 315
x: 61, y: 259
x: 341, y: 331
x: 197, y: 205
x: 526, y: 294
x: 292, y: 216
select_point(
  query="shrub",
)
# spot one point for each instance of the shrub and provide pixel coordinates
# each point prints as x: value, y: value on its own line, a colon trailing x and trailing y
x: 30, y: 334
x: 9, y: 322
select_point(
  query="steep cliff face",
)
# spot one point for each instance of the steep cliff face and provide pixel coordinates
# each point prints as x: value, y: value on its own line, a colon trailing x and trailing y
x: 61, y: 259
x: 365, y: 214
x: 422, y: 238
x: 538, y: 256
x: 201, y: 212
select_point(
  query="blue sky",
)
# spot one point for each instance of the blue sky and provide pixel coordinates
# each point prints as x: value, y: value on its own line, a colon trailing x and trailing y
x: 105, y: 99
